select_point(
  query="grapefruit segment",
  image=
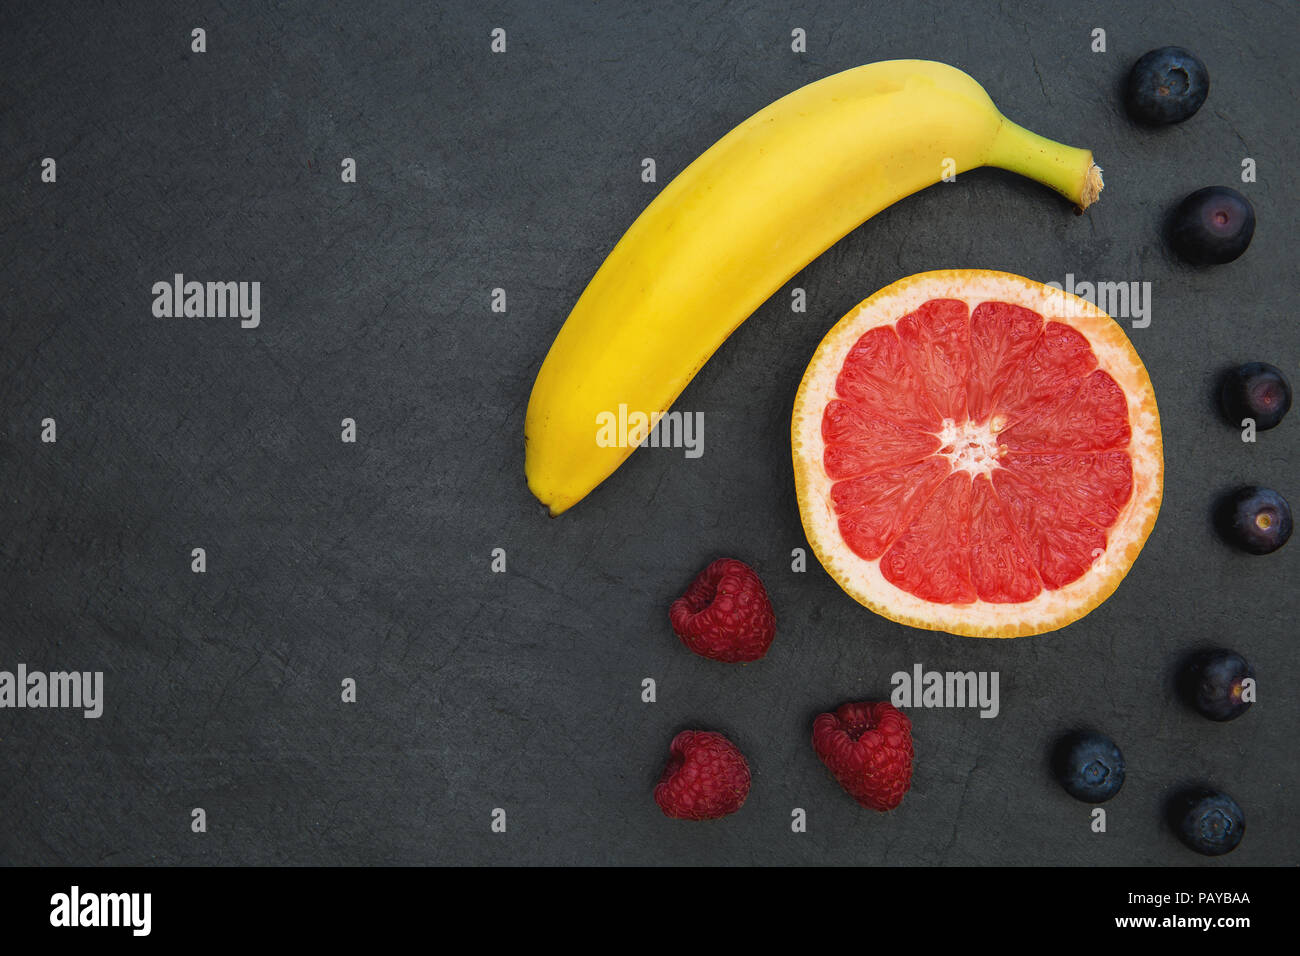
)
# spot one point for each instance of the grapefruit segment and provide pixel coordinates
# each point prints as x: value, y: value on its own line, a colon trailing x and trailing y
x: 875, y: 509
x: 1001, y: 568
x: 1096, y: 487
x: 931, y: 558
x: 1057, y: 364
x: 878, y: 379
x: 1002, y: 337
x: 936, y: 344
x: 1061, y: 543
x: 1093, y: 416
x: 977, y: 453
x: 858, y: 442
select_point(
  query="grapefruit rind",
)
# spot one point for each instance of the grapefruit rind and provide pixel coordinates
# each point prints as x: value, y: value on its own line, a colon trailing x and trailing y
x: 1050, y: 609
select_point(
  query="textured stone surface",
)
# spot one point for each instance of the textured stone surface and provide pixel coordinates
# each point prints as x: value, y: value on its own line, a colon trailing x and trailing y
x: 521, y: 690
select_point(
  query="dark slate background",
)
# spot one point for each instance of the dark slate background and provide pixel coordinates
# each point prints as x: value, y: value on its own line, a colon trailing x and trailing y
x: 521, y: 690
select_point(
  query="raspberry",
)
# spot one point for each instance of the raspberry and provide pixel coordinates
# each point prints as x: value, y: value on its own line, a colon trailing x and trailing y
x: 725, y: 614
x: 706, y: 777
x: 868, y: 747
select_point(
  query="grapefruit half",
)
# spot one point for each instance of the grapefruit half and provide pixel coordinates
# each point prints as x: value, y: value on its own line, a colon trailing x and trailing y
x: 977, y: 453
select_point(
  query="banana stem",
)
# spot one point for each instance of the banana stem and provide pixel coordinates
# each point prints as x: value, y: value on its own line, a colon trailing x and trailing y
x: 1067, y: 169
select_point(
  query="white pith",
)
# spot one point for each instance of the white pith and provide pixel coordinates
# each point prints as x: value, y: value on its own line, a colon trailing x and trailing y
x: 863, y: 578
x: 972, y: 447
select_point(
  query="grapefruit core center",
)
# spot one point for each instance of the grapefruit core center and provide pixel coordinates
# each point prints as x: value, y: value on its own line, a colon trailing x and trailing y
x: 972, y: 447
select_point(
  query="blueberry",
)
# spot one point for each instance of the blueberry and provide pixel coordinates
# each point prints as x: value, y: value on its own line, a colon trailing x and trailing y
x: 1256, y: 520
x: 1208, y: 821
x: 1256, y: 390
x: 1089, y: 766
x: 1166, y: 86
x: 1212, y: 226
x: 1213, y: 683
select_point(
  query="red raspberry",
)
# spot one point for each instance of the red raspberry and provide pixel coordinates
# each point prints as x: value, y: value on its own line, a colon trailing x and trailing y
x: 725, y: 614
x: 868, y: 747
x: 706, y: 777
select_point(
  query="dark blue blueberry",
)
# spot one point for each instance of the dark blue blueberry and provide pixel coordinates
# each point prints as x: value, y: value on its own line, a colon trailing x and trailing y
x: 1208, y: 821
x: 1214, y: 682
x: 1089, y: 766
x: 1256, y: 520
x: 1256, y: 390
x: 1166, y: 86
x: 1212, y: 226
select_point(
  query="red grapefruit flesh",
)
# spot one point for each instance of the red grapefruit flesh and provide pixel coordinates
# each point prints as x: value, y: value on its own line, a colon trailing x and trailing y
x: 977, y: 453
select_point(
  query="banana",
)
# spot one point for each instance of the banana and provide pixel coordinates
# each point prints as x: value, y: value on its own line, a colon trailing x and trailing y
x: 737, y: 224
